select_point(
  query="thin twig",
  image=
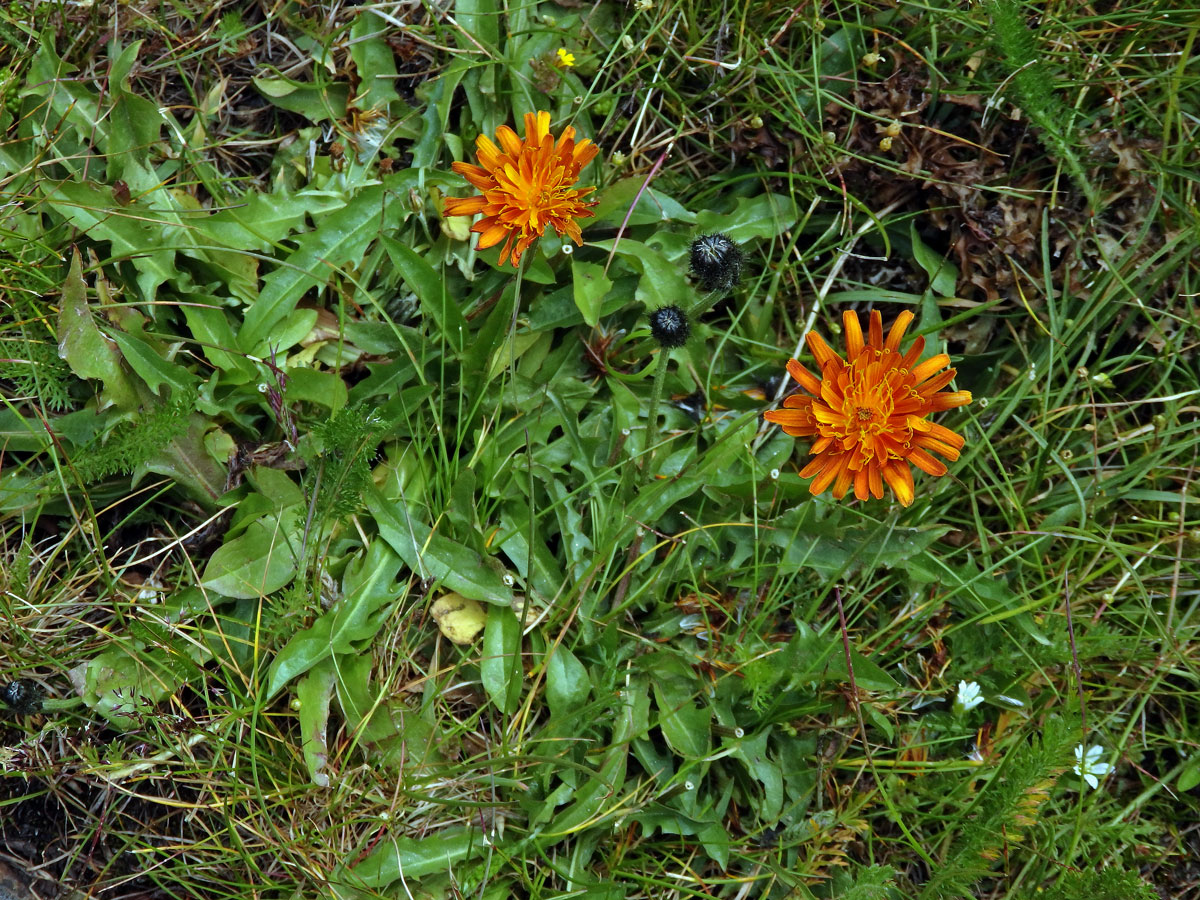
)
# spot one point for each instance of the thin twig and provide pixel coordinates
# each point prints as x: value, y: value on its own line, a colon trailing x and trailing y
x: 862, y: 726
x: 1075, y: 655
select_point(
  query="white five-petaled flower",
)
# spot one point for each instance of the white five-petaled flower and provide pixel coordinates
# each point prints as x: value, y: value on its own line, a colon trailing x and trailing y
x: 969, y: 696
x: 1088, y: 765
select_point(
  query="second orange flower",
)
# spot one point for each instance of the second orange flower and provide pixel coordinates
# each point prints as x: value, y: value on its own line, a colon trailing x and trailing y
x: 526, y: 185
x: 869, y: 413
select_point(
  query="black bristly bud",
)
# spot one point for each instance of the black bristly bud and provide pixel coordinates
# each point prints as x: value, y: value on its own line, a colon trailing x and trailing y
x: 670, y: 326
x: 716, y: 262
x: 24, y: 696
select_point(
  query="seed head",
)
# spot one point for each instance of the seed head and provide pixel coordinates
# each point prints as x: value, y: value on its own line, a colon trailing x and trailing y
x: 24, y: 696
x: 670, y: 326
x: 716, y: 262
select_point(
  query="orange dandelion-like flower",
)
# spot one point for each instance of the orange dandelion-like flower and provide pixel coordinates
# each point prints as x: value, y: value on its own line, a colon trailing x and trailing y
x: 869, y: 413
x: 526, y: 186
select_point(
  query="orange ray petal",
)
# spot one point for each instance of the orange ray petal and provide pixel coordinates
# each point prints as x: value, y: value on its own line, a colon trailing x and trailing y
x: 862, y: 482
x: 815, y: 465
x: 896, y: 334
x: 854, y: 335
x: 832, y: 467
x: 509, y: 141
x: 821, y: 351
x: 463, y: 206
x: 487, y: 152
x: 492, y: 235
x: 899, y: 478
x: 844, y: 479
x: 941, y: 433
x: 925, y: 462
x: 791, y: 419
x: 937, y: 382
x: 803, y: 377
x: 914, y: 352
x: 875, y: 338
x: 821, y: 444
x: 940, y: 447
x: 876, y: 482
x: 541, y: 127
x: 931, y: 365
x: 949, y: 400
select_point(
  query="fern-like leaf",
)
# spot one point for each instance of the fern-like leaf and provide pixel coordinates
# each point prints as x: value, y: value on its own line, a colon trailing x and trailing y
x: 1035, y: 88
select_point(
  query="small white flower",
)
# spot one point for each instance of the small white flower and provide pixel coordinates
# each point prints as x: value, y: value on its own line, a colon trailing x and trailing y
x: 969, y: 696
x: 1088, y: 765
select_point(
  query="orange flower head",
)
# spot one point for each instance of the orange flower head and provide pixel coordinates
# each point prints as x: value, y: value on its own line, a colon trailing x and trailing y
x: 526, y: 185
x: 869, y: 413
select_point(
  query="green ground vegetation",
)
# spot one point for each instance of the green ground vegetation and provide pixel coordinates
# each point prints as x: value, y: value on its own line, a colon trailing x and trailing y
x: 272, y: 431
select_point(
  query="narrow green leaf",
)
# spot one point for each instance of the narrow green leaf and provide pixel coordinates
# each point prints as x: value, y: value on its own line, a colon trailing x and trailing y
x: 259, y: 221
x: 88, y: 352
x: 546, y: 576
x: 317, y: 102
x: 813, y: 656
x: 210, y: 324
x: 430, y: 555
x: 318, y: 386
x: 662, y: 282
x: 314, y: 692
x: 410, y: 858
x: 135, y: 235
x: 1190, y: 776
x: 684, y: 724
x: 367, y: 587
x: 304, y: 650
x: 630, y: 719
x: 374, y: 62
x: 567, y: 683
x: 867, y: 674
x: 69, y: 100
x: 652, y: 205
x: 152, y: 367
x: 439, y: 93
x: 590, y: 284
x: 943, y: 275
x: 764, y: 216
x: 500, y: 667
x: 478, y: 19
x: 341, y: 238
x: 186, y: 459
x: 259, y: 562
x: 752, y: 751
x: 21, y: 434
x: 430, y: 288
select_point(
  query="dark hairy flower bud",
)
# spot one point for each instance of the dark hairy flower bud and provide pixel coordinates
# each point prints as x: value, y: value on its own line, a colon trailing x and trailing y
x: 716, y: 262
x: 670, y: 326
x: 24, y: 696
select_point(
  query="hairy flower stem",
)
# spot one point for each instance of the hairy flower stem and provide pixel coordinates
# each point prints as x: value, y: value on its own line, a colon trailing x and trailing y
x: 660, y: 376
x: 703, y: 305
